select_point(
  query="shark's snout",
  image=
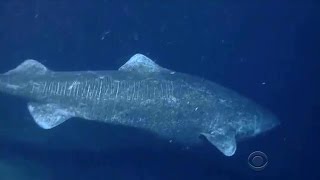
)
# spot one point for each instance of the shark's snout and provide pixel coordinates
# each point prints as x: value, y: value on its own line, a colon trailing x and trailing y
x: 3, y: 82
x: 267, y: 121
x: 270, y: 121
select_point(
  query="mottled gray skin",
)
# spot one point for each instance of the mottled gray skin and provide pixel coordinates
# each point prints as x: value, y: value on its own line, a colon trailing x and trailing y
x: 172, y: 105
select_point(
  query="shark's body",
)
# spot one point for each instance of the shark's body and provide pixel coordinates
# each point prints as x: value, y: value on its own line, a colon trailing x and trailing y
x: 143, y: 95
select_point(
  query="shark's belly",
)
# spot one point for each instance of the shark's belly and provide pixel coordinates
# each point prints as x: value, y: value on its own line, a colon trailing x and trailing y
x: 162, y: 116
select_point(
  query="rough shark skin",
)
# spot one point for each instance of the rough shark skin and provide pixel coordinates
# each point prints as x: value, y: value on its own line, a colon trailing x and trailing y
x: 143, y: 95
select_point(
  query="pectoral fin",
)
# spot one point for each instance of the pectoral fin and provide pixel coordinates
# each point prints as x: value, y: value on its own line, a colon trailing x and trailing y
x: 49, y: 116
x: 225, y: 143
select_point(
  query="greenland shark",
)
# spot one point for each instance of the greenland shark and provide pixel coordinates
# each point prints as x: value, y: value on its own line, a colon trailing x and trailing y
x: 143, y: 95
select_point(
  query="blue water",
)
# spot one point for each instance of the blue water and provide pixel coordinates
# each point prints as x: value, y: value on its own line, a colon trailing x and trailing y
x: 267, y: 51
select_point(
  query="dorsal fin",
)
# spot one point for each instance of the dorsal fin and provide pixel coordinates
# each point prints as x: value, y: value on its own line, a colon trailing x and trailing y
x: 142, y: 64
x: 29, y: 66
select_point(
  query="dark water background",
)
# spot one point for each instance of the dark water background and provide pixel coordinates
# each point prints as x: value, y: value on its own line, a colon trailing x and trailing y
x: 266, y: 50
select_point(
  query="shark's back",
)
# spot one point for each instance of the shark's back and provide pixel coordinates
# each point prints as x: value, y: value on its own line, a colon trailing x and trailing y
x: 108, y: 90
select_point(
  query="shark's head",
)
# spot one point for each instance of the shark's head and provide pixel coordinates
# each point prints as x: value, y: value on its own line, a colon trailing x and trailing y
x: 235, y: 125
x: 255, y: 122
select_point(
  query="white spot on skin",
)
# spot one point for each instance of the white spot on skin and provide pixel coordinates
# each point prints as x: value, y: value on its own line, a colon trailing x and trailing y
x: 172, y: 99
x: 73, y: 85
x: 31, y: 108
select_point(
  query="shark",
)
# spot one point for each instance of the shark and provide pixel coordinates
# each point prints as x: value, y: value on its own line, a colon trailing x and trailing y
x: 141, y: 94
